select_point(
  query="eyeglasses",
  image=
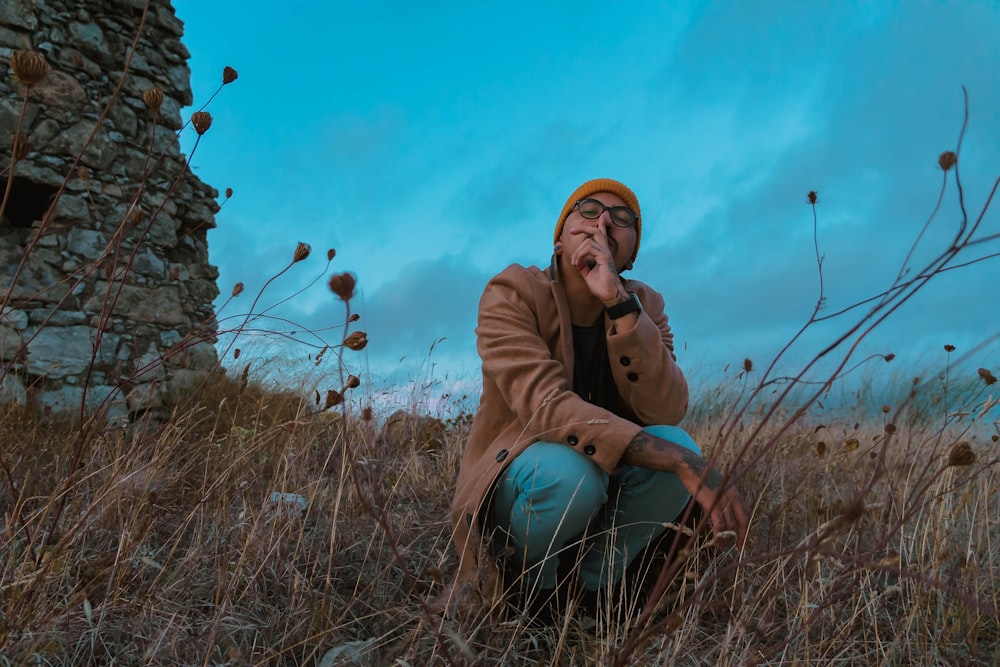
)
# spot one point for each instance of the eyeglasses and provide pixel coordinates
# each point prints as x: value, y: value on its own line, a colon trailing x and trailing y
x: 621, y: 216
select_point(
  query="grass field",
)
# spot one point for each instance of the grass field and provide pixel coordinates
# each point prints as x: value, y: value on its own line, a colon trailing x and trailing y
x: 864, y: 549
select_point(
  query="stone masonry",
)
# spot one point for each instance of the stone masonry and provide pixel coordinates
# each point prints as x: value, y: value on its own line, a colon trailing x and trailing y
x: 106, y: 290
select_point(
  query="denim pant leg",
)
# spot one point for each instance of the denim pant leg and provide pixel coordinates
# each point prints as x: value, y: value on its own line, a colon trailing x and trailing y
x: 548, y: 494
x: 642, y: 500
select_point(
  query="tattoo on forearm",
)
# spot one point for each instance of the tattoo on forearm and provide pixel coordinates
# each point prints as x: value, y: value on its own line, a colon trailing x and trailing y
x: 643, y: 442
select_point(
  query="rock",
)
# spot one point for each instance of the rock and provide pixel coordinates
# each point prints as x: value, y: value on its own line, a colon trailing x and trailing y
x: 12, y: 391
x: 161, y: 305
x: 10, y: 344
x: 59, y: 352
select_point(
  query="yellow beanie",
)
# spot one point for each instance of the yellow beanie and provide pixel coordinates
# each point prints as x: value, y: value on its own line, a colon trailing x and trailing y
x: 603, y: 185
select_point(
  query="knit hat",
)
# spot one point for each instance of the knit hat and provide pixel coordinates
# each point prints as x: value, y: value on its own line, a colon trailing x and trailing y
x: 603, y: 185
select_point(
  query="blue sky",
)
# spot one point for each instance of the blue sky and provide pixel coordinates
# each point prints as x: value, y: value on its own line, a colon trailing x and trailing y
x: 433, y: 146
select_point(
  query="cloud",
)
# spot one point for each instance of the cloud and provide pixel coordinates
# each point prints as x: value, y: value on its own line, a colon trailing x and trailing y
x: 428, y: 304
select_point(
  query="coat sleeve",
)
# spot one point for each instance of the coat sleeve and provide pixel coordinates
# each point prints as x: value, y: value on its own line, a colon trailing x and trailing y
x: 533, y: 382
x: 643, y: 363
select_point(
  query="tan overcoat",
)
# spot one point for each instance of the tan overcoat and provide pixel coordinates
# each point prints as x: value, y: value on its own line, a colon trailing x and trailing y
x: 525, y: 340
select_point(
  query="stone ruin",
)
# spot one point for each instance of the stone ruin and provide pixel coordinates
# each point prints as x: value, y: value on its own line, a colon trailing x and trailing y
x: 106, y: 293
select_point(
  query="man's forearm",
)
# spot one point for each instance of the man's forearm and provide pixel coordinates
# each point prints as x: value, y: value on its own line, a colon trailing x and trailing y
x: 649, y: 451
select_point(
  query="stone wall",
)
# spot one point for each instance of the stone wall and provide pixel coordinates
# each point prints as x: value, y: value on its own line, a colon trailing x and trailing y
x: 106, y: 288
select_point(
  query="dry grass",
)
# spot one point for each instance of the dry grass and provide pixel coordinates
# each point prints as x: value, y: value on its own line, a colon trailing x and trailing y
x: 170, y: 550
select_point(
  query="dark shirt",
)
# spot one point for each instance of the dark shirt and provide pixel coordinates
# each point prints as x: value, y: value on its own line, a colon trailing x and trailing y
x: 592, y: 378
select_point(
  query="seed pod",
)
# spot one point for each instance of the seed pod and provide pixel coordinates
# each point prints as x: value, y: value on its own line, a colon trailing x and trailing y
x: 29, y: 67
x: 202, y: 120
x: 153, y: 98
x: 229, y: 193
x: 342, y: 284
x: 986, y: 376
x: 947, y: 160
x: 302, y: 251
x: 330, y: 254
x: 961, y: 454
x: 136, y: 215
x: 356, y: 341
x: 19, y: 146
x: 237, y: 289
x: 333, y: 398
x: 353, y: 381
x: 811, y: 196
x: 229, y: 75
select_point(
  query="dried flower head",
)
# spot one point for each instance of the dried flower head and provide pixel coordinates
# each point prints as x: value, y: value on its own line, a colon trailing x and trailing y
x: 19, y: 145
x: 237, y: 289
x: 153, y: 98
x: 961, y: 454
x: 885, y: 409
x: 353, y: 381
x: 333, y: 397
x: 820, y: 449
x: 366, y: 413
x: 330, y: 254
x: 947, y: 160
x: 889, y: 357
x: 229, y: 75
x: 949, y: 348
x: 302, y: 251
x: 747, y: 365
x: 854, y: 510
x: 811, y: 196
x: 201, y: 120
x: 342, y: 284
x: 354, y: 317
x: 987, y: 376
x: 229, y: 193
x: 29, y: 67
x: 356, y: 341
x: 890, y: 428
x: 236, y: 353
x: 136, y: 215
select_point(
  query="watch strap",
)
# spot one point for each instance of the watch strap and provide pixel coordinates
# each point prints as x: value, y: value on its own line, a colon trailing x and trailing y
x: 629, y: 305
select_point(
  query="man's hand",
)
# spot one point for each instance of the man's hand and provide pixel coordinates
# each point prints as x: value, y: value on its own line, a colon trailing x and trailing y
x: 723, y: 504
x: 594, y: 258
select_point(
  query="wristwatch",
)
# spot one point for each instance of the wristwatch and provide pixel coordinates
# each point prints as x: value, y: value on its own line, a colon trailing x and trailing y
x: 629, y: 305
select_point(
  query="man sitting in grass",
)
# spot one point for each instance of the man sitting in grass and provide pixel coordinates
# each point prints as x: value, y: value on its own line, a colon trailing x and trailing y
x: 574, y: 448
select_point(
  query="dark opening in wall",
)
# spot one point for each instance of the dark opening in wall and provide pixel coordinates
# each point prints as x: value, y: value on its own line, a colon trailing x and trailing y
x: 28, y: 202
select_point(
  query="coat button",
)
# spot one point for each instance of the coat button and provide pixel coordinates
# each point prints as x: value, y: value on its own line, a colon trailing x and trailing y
x: 625, y: 361
x: 589, y: 450
x: 572, y: 440
x: 501, y: 455
x: 632, y: 377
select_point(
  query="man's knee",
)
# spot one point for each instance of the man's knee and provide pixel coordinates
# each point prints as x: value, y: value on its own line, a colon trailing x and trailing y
x: 674, y: 434
x: 557, y: 478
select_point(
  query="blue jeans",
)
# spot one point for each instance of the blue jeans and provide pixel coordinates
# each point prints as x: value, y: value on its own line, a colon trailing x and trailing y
x: 552, y: 496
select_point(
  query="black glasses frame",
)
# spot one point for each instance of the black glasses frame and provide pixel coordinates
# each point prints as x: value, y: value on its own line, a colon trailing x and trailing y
x: 613, y: 210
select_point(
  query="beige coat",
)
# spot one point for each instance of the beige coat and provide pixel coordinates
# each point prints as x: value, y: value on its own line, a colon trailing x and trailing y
x: 525, y: 339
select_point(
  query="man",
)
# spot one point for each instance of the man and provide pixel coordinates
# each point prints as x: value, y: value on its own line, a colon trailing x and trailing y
x: 574, y: 443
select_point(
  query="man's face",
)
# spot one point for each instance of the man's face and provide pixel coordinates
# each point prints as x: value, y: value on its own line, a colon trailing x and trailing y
x: 621, y: 240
